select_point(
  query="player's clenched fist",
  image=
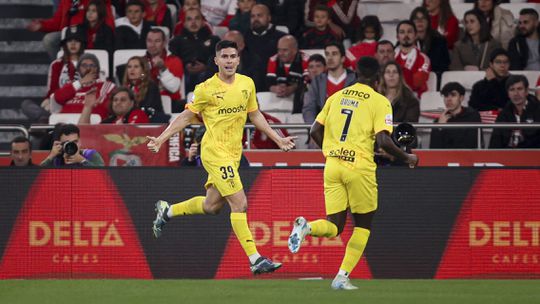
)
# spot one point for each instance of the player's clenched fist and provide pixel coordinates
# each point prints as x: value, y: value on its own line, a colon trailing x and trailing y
x: 153, y: 144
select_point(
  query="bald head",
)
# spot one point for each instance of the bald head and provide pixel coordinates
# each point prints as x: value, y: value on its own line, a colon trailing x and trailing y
x: 260, y: 18
x: 237, y: 37
x: 287, y: 48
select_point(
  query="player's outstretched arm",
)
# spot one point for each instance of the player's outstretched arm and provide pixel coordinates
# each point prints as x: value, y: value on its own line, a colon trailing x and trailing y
x: 179, y: 123
x: 387, y: 144
x: 317, y: 133
x: 284, y: 143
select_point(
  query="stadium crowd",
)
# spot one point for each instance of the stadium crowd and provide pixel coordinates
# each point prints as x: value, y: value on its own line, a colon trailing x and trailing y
x: 136, y: 61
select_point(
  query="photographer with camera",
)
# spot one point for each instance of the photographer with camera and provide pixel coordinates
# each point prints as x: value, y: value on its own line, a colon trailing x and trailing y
x: 66, y: 150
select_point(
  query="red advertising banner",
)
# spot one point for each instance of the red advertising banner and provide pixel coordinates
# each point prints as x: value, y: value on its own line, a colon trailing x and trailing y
x: 125, y: 145
x: 271, y: 215
x: 428, y: 158
x: 67, y: 229
x: 497, y: 233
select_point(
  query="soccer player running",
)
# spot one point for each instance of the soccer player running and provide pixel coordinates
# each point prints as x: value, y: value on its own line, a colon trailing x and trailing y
x: 346, y: 129
x: 224, y: 101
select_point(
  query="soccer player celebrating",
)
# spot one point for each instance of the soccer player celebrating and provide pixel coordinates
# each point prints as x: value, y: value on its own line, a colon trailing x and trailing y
x: 346, y: 129
x: 224, y: 101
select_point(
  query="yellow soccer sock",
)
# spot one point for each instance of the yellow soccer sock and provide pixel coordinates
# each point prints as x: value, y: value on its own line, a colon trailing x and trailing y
x: 191, y: 206
x: 355, y: 248
x: 241, y: 229
x: 323, y: 228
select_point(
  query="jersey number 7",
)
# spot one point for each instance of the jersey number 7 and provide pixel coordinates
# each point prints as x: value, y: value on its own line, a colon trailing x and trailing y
x: 349, y: 114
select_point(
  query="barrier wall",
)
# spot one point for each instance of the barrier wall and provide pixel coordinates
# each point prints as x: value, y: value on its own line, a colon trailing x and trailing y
x: 432, y: 223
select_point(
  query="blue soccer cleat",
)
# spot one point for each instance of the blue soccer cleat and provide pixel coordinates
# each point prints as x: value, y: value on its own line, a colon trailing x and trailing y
x: 264, y: 265
x: 161, y: 209
x: 298, y: 234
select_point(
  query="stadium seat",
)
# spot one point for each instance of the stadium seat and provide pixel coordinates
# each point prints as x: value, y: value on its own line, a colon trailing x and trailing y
x: 432, y: 82
x: 72, y: 118
x: 54, y: 107
x: 389, y: 32
x: 166, y: 103
x: 466, y: 78
x: 282, y: 28
x: 121, y: 57
x: 310, y: 52
x: 174, y: 12
x: 431, y: 101
x: 460, y: 9
x: 269, y: 102
x: 102, y: 56
x: 220, y: 31
x: 532, y: 77
x: 393, y: 12
x: 515, y: 8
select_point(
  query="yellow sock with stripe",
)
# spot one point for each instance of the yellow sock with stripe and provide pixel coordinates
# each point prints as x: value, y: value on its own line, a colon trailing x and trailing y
x: 323, y: 228
x: 243, y: 234
x: 355, y: 248
x: 191, y: 206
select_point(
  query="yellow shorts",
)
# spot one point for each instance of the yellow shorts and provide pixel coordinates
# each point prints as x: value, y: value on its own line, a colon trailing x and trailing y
x: 345, y: 188
x: 224, y: 176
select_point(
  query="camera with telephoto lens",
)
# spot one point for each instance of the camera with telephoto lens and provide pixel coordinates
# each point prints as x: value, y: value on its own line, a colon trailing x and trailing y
x: 69, y: 148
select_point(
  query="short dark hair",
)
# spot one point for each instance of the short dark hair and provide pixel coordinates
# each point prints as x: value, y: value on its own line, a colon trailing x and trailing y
x: 21, y: 139
x: 409, y: 22
x: 383, y: 42
x: 513, y: 79
x: 339, y: 46
x: 318, y: 58
x: 452, y: 86
x: 69, y: 129
x: 224, y: 44
x: 529, y: 11
x: 367, y: 70
x: 156, y: 30
x: 137, y: 3
x: 324, y: 8
x: 497, y: 52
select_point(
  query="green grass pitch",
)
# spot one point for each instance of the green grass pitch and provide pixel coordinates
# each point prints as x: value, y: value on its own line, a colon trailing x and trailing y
x: 267, y: 291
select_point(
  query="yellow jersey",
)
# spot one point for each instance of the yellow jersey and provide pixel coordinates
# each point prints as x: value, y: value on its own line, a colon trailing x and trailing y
x: 224, y: 108
x: 351, y: 118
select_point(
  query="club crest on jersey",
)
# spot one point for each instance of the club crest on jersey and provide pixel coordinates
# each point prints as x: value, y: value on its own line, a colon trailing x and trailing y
x: 245, y: 94
x: 388, y: 119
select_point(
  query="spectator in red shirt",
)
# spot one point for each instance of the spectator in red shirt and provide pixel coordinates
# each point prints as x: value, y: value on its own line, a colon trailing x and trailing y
x: 287, y: 71
x: 320, y: 34
x: 443, y: 20
x: 156, y: 11
x: 415, y: 64
x: 63, y: 69
x: 538, y: 89
x: 188, y: 4
x: 166, y: 69
x: 370, y: 33
x: 71, y: 95
x: 68, y: 13
x: 98, y: 35
x: 122, y: 107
